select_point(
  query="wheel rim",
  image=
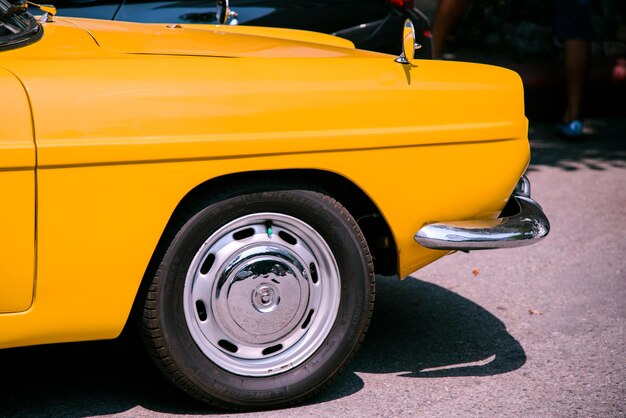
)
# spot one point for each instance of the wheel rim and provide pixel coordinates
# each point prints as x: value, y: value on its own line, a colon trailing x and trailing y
x: 262, y: 294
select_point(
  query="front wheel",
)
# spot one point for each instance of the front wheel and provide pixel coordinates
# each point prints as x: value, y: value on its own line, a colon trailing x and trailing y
x: 260, y: 299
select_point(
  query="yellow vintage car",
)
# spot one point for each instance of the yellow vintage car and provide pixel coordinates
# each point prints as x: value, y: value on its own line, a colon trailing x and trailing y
x: 234, y: 190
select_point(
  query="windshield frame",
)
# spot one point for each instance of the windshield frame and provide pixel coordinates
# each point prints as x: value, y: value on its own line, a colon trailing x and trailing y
x: 29, y: 29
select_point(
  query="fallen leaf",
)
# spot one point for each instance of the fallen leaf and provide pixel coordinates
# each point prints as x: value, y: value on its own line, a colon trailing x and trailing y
x: 475, y: 271
x: 535, y: 312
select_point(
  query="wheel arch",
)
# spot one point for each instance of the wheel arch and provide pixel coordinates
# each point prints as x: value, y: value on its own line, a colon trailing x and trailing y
x: 374, y: 226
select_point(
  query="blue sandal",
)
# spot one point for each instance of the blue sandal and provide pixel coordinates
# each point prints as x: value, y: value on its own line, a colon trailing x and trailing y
x: 570, y: 130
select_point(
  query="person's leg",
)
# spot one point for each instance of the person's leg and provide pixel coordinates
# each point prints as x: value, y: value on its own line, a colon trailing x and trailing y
x: 577, y: 59
x: 447, y: 15
x: 572, y: 25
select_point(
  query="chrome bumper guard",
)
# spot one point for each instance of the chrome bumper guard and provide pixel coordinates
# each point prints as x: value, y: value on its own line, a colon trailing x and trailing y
x: 526, y: 227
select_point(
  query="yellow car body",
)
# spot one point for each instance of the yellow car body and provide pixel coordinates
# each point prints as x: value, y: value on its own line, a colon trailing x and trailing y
x: 108, y: 126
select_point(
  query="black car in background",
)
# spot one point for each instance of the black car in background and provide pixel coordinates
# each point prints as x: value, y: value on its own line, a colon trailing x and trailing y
x: 371, y: 24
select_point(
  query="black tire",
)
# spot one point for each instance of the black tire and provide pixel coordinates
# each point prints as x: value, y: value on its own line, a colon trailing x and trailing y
x: 231, y: 316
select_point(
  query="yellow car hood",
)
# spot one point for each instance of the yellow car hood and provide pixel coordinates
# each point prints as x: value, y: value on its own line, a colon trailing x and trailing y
x: 215, y: 40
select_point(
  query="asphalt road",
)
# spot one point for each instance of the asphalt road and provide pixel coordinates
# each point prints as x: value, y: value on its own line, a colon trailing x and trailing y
x: 534, y: 331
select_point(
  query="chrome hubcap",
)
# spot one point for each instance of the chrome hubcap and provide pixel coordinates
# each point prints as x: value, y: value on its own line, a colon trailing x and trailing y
x: 261, y: 294
x: 265, y: 299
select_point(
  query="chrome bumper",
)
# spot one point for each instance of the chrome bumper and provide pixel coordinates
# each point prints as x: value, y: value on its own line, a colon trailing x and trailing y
x: 526, y: 227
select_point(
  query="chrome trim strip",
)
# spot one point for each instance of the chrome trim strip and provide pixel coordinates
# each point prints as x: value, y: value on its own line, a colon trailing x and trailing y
x: 526, y: 227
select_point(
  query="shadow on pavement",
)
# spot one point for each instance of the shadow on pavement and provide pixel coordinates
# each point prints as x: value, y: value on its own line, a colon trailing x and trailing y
x: 604, y: 146
x: 87, y: 379
x: 418, y: 330
x: 421, y: 330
